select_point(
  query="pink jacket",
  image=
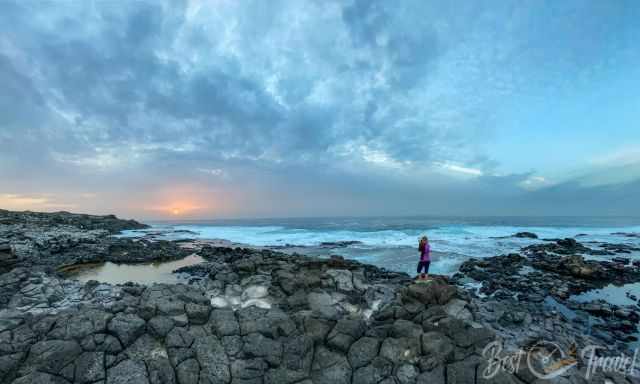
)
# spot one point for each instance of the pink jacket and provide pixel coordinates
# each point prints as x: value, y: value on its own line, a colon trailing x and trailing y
x: 425, y: 252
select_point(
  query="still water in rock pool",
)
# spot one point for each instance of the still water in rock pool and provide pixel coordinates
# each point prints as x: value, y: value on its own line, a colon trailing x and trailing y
x: 618, y: 295
x: 148, y: 273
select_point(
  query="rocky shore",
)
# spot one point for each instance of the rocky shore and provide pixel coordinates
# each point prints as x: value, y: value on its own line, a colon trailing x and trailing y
x: 531, y: 295
x: 55, y: 240
x: 109, y: 223
x: 260, y: 316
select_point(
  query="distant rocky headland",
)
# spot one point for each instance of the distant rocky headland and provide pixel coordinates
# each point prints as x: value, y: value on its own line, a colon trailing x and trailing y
x: 260, y: 316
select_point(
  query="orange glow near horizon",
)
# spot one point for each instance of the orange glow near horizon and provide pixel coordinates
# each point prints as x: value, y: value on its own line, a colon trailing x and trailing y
x: 179, y: 208
x: 183, y: 201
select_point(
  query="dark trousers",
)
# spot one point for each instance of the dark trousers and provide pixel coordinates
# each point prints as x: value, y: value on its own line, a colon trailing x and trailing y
x: 425, y: 265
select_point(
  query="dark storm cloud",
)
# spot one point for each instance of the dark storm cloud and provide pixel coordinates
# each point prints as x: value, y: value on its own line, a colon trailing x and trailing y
x: 355, y: 101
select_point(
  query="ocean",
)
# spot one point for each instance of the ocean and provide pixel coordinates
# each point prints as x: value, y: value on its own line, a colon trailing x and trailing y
x: 391, y: 242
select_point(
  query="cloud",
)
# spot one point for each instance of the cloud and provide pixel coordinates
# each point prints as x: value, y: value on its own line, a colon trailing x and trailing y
x: 626, y: 156
x: 28, y: 202
x: 534, y: 182
x: 454, y: 168
x: 404, y: 99
x: 145, y: 74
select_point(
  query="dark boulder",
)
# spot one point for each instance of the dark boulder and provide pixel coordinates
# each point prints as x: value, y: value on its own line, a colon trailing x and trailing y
x: 434, y: 292
x: 526, y: 235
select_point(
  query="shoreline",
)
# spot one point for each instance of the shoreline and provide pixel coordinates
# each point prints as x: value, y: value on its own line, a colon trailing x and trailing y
x: 353, y: 321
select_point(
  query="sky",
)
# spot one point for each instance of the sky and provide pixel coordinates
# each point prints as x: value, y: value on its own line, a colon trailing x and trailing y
x: 219, y: 109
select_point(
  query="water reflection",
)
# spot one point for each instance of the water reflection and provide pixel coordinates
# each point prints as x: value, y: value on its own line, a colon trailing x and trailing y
x: 158, y: 272
x: 614, y: 294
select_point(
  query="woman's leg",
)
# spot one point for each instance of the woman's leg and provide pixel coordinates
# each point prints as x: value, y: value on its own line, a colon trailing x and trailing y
x: 426, y: 268
x: 421, y: 266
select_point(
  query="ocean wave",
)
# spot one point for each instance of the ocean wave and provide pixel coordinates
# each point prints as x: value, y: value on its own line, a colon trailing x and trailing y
x: 395, y: 248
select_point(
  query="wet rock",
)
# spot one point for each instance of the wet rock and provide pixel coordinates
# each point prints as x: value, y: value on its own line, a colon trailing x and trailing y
x: 529, y: 297
x: 339, y: 244
x: 526, y: 235
x: 626, y: 234
x: 566, y: 246
x: 578, y: 267
x: 621, y: 260
x: 619, y: 248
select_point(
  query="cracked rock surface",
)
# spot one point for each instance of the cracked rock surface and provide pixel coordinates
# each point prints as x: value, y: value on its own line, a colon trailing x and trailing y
x: 247, y: 316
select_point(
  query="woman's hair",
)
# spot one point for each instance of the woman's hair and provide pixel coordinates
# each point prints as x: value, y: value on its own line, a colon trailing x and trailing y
x: 424, y: 239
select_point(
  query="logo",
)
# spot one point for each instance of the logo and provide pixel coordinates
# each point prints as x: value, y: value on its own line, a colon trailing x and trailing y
x: 547, y: 360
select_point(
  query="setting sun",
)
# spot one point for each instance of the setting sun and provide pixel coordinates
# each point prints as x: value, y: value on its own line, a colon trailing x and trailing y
x: 177, y: 208
x: 180, y: 208
x: 184, y: 201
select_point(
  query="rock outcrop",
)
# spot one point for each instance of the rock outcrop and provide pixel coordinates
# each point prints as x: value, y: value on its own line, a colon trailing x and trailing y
x: 526, y: 235
x: 57, y: 240
x: 249, y: 317
x: 109, y: 223
x: 531, y: 295
x: 258, y: 316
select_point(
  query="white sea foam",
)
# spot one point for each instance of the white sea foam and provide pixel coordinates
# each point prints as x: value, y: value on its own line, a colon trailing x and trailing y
x: 391, y: 244
x: 448, y: 236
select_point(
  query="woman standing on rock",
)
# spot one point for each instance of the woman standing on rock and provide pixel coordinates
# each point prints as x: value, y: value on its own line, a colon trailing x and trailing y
x: 425, y: 257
